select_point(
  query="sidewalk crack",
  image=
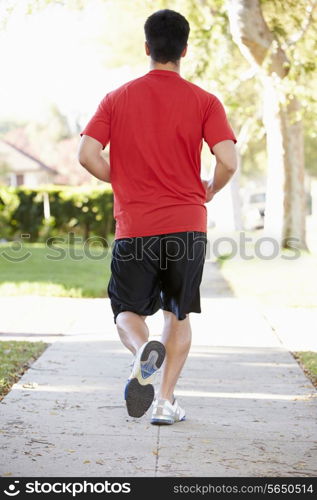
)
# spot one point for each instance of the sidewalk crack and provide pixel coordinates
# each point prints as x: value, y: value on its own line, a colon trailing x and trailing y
x: 275, y: 331
x: 157, y: 452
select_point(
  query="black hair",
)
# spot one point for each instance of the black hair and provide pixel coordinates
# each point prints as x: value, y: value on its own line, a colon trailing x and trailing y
x: 166, y: 33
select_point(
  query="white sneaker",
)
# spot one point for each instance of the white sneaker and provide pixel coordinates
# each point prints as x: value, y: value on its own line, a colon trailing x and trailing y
x: 139, y: 391
x: 166, y: 413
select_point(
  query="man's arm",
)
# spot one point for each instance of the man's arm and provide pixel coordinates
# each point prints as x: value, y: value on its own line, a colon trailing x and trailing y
x: 89, y: 156
x: 227, y: 163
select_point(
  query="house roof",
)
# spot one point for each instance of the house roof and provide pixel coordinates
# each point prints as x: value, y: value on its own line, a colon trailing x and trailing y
x: 19, y: 160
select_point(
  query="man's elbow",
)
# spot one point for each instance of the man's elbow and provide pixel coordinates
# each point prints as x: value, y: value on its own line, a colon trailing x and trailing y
x: 232, y: 166
x: 82, y: 158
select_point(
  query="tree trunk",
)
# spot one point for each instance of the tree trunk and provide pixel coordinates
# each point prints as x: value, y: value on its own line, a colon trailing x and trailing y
x: 294, y: 194
x: 285, y: 205
x: 275, y: 179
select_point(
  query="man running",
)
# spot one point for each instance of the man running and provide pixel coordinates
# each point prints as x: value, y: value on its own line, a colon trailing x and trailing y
x: 156, y: 125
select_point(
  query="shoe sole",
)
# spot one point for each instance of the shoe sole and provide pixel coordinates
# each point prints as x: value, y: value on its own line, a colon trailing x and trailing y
x: 138, y: 398
x: 157, y: 421
x: 152, y: 358
x: 139, y: 392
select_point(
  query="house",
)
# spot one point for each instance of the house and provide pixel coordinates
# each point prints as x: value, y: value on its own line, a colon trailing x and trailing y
x: 54, y: 162
x: 18, y: 167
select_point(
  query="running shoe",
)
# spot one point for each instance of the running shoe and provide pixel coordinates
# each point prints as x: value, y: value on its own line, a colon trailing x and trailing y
x: 166, y: 413
x: 139, y: 391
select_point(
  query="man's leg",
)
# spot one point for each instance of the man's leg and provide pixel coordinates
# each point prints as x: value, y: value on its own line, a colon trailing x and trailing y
x: 134, y: 333
x: 177, y: 340
x: 132, y: 329
x: 135, y: 286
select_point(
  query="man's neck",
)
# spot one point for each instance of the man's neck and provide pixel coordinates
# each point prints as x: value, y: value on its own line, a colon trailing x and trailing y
x: 168, y: 66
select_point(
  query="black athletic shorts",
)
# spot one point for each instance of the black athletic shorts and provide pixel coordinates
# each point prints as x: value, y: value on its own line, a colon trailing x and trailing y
x: 153, y: 272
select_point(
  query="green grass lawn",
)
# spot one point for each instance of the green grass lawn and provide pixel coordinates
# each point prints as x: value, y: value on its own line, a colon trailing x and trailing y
x: 66, y: 271
x: 15, y: 359
x: 308, y: 361
x: 290, y: 283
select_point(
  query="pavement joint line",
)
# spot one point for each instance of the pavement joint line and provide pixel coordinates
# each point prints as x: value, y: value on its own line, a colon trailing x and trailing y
x: 272, y: 327
x: 156, y: 469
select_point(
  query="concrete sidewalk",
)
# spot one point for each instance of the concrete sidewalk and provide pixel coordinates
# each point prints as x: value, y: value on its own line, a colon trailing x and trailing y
x: 250, y: 409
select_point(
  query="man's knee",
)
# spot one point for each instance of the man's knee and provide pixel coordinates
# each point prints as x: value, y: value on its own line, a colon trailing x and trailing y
x: 128, y: 316
x: 174, y: 326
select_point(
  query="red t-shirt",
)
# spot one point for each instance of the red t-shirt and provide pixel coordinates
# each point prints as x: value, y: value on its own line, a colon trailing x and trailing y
x: 156, y: 125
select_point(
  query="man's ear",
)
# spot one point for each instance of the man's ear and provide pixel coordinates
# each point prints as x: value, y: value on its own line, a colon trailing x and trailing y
x: 147, y: 48
x: 183, y: 54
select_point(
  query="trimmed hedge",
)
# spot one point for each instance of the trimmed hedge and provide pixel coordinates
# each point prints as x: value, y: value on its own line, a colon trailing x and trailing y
x: 85, y: 211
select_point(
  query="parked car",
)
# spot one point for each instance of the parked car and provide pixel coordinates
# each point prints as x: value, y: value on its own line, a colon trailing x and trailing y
x: 254, y: 210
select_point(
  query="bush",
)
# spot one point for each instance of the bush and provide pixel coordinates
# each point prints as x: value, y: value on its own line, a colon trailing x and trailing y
x: 85, y: 211
x: 8, y: 203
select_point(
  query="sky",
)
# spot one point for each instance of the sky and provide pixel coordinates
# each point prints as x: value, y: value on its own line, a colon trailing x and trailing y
x: 55, y: 55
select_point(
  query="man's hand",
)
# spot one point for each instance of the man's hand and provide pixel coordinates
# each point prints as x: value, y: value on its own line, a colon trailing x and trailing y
x: 210, y: 192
